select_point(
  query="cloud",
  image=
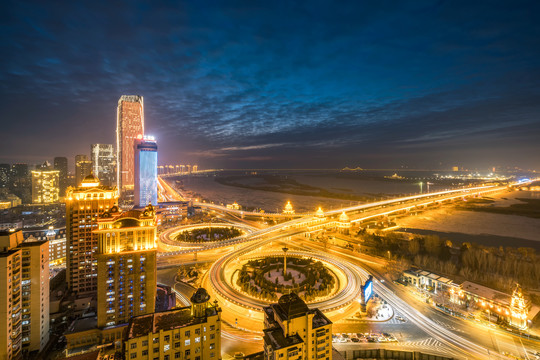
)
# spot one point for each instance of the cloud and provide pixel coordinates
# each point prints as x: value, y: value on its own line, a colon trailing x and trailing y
x: 239, y: 83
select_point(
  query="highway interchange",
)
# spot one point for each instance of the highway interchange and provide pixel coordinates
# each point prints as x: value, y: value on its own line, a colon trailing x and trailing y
x: 459, y: 338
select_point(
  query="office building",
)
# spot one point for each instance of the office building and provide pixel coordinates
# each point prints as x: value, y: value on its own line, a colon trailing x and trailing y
x: 192, y: 332
x: 292, y: 330
x: 83, y: 205
x: 83, y: 167
x: 145, y: 171
x: 104, y: 163
x: 129, y: 125
x: 45, y: 187
x: 24, y: 306
x: 126, y: 265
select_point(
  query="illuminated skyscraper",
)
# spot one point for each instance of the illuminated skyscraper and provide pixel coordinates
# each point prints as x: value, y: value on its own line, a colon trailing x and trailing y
x: 61, y: 164
x: 129, y: 125
x: 45, y: 188
x: 104, y: 163
x: 83, y: 168
x: 83, y: 204
x: 145, y: 171
x: 126, y: 269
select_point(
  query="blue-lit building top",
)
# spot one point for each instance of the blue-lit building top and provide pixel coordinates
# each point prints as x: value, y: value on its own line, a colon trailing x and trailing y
x: 145, y: 171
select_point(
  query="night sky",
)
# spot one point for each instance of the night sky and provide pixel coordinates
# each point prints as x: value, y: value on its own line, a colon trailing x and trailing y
x: 279, y: 84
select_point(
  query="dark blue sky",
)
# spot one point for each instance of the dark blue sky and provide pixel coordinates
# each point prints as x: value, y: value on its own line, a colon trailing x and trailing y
x: 279, y: 84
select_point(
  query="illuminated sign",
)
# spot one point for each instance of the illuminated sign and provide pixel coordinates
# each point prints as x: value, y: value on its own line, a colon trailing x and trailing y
x: 368, y: 290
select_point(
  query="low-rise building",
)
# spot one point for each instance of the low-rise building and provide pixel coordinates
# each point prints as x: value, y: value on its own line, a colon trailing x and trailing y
x: 192, y: 332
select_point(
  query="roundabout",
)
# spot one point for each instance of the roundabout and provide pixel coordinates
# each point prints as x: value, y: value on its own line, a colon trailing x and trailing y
x: 263, y: 278
x: 204, y: 235
x: 334, y: 287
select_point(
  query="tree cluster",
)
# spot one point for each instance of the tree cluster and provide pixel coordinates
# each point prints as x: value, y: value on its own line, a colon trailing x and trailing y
x: 499, y: 268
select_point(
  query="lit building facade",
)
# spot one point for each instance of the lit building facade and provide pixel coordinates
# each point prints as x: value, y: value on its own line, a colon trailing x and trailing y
x: 145, y: 171
x: 288, y: 210
x: 10, y: 299
x: 57, y: 242
x: 35, y: 295
x: 192, y: 332
x: 61, y: 164
x: 126, y: 269
x: 293, y: 331
x: 24, y: 304
x: 45, y: 186
x: 104, y: 163
x: 83, y: 205
x: 130, y: 124
x: 83, y: 168
x: 5, y: 175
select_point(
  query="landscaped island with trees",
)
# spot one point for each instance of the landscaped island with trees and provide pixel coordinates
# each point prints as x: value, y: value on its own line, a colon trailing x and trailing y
x: 208, y: 234
x: 264, y: 278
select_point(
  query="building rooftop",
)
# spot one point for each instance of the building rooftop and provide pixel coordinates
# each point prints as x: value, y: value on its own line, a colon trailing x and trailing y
x: 277, y: 339
x: 166, y: 320
x: 200, y: 296
x: 92, y: 355
x: 487, y: 293
x: 290, y: 306
x: 319, y: 319
x: 82, y: 324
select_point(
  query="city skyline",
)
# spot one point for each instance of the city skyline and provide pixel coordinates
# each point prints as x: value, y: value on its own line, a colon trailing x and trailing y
x: 279, y: 86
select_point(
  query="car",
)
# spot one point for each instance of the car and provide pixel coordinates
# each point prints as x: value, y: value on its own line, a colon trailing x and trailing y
x: 355, y: 339
x: 399, y: 318
x: 360, y: 336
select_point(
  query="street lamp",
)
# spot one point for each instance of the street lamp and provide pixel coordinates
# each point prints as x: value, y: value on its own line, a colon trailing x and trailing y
x: 285, y: 261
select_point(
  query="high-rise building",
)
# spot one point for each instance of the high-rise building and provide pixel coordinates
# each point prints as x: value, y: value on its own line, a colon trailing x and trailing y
x: 126, y: 268
x: 83, y: 167
x: 45, y: 188
x: 24, y: 305
x: 35, y: 295
x: 145, y: 171
x: 129, y: 125
x: 61, y: 164
x: 83, y: 205
x: 292, y: 330
x: 192, y: 332
x: 5, y: 175
x: 21, y: 183
x: 104, y: 163
x: 10, y: 288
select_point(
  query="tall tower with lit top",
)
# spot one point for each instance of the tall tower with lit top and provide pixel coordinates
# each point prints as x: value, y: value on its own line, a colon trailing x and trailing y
x: 83, y: 205
x: 130, y: 124
x: 146, y: 171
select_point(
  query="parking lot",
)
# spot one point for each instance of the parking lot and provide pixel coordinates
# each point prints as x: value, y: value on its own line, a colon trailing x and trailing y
x: 363, y: 337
